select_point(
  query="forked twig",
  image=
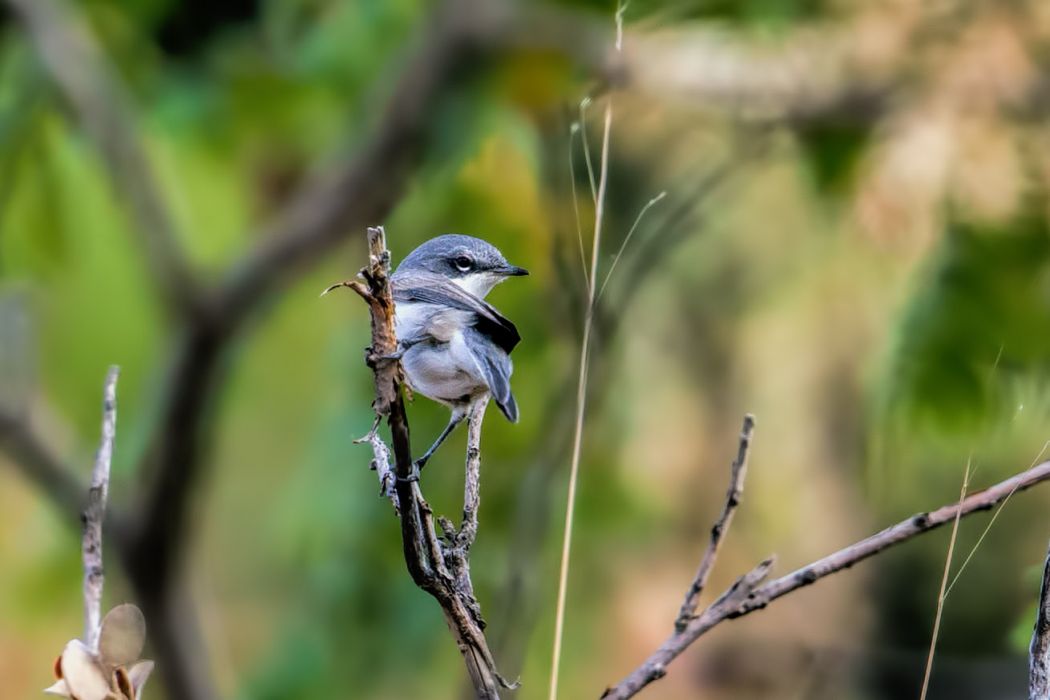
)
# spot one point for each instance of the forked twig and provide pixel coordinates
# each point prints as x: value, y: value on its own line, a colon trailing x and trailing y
x: 738, y: 471
x: 746, y: 596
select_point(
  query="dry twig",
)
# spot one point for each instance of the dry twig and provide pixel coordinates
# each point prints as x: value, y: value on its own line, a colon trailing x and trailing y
x: 95, y: 513
x: 747, y: 595
x: 738, y: 471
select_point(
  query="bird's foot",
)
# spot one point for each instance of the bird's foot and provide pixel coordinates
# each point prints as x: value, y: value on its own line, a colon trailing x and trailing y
x: 372, y: 358
x: 413, y: 474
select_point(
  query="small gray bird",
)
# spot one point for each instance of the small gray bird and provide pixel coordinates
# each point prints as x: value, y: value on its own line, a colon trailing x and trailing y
x: 455, y: 347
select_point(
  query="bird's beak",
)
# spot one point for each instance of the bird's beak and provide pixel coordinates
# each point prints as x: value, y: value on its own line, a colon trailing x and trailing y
x: 512, y: 271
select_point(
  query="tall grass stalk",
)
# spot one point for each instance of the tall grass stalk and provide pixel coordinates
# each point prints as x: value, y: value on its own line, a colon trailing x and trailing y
x: 942, y: 594
x: 581, y: 385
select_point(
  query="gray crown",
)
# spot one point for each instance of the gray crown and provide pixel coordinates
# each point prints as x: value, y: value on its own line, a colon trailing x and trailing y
x: 456, y: 255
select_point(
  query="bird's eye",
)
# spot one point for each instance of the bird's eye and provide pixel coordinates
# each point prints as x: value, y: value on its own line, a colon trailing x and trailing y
x: 463, y: 263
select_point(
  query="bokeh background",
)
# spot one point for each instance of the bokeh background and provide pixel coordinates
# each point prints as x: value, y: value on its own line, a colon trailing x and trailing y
x: 853, y: 246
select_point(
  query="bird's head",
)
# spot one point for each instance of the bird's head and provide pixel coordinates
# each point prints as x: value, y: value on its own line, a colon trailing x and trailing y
x: 475, y: 265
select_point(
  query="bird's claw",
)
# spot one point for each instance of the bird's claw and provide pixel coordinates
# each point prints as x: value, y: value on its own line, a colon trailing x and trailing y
x: 413, y: 474
x: 372, y: 358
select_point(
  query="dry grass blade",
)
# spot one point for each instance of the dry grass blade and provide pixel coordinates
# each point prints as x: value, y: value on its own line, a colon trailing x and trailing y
x: 991, y: 522
x: 627, y: 239
x: 576, y: 204
x: 942, y: 594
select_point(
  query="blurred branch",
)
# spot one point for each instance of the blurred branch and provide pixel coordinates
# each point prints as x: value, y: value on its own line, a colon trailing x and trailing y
x: 70, y: 52
x: 31, y: 455
x: 738, y: 472
x: 365, y: 187
x: 95, y: 513
x: 440, y: 570
x: 747, y: 595
x: 1039, y: 651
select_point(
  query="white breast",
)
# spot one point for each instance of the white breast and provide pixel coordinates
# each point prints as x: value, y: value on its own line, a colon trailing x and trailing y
x: 444, y: 371
x: 441, y: 367
x: 414, y: 320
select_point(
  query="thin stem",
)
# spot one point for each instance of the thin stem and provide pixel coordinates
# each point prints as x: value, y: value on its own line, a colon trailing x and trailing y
x: 581, y: 393
x: 587, y: 148
x: 988, y: 527
x: 627, y: 239
x: 942, y: 594
x: 576, y: 204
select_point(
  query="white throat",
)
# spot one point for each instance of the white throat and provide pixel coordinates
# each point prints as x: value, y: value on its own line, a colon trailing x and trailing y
x: 478, y: 283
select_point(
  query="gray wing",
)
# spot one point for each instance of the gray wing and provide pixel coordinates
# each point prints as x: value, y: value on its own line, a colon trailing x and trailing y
x: 496, y: 367
x: 435, y: 289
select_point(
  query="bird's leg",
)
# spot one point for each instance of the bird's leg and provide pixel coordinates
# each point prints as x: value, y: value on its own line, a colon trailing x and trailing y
x: 417, y: 466
x: 402, y: 348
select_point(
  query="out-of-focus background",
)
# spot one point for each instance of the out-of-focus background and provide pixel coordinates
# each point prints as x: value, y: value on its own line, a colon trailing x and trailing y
x: 853, y: 246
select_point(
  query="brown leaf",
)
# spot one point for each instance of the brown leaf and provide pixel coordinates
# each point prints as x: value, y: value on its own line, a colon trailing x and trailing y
x: 122, y: 637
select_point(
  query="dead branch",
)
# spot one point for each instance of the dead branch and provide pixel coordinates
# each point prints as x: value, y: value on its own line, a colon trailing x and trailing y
x: 738, y: 471
x: 746, y: 595
x: 440, y: 568
x: 95, y: 513
x: 1039, y: 651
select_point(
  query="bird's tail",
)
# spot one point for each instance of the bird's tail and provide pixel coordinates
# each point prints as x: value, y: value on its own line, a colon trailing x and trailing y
x: 509, y: 406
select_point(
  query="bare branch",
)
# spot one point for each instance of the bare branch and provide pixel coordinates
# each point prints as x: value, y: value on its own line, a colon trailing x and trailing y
x: 730, y: 605
x: 1039, y: 651
x: 441, y: 571
x: 468, y: 529
x: 738, y: 471
x: 95, y: 513
x: 81, y: 72
x: 364, y: 188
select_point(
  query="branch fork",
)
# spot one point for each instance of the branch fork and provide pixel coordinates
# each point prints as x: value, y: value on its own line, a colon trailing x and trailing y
x: 752, y: 592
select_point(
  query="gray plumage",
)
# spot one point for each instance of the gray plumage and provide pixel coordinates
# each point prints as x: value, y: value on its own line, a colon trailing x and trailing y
x: 455, y: 346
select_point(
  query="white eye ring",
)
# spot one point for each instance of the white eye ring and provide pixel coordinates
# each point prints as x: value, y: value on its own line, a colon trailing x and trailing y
x: 463, y: 263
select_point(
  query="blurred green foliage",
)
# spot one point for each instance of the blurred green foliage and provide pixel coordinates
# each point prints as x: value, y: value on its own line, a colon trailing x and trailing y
x: 878, y: 363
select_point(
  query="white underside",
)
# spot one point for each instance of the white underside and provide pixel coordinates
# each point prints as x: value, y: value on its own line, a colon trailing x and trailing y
x: 442, y: 369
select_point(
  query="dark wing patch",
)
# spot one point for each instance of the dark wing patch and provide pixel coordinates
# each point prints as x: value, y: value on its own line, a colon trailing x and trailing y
x: 496, y: 367
x: 435, y: 289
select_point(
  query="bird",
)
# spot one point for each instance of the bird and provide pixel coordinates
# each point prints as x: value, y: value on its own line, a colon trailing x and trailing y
x: 453, y: 345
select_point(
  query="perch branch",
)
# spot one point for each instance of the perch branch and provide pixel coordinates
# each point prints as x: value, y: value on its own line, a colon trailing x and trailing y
x: 738, y: 471
x: 1039, y: 652
x: 95, y: 513
x: 71, y: 54
x: 440, y: 570
x: 743, y: 598
x: 468, y: 529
